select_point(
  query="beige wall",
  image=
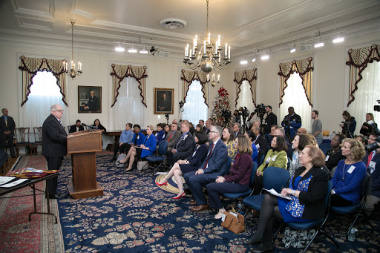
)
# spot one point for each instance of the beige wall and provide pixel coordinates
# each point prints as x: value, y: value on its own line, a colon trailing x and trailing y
x: 329, y: 81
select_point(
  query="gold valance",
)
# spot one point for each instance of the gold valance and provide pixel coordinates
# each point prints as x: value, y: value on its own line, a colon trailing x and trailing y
x: 249, y: 75
x: 188, y: 76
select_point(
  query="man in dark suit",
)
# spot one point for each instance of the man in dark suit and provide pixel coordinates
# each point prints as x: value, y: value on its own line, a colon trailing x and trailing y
x: 77, y: 127
x: 54, y: 139
x: 184, y: 147
x: 270, y: 120
x: 93, y: 102
x: 211, y: 168
x: 291, y: 123
x: 7, y: 129
x: 173, y: 136
x: 260, y: 142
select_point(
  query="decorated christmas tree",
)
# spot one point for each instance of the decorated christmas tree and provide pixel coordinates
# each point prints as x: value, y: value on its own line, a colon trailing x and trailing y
x: 221, y: 114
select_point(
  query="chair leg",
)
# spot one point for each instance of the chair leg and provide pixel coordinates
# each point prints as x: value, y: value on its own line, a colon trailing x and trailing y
x: 311, y: 241
x: 331, y: 238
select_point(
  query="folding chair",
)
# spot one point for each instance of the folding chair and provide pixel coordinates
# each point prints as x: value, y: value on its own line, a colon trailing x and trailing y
x: 161, y: 157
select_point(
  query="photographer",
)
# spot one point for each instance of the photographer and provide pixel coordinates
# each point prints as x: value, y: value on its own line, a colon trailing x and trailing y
x: 348, y: 125
x: 270, y: 120
x: 366, y: 128
x: 291, y: 123
x: 372, y: 162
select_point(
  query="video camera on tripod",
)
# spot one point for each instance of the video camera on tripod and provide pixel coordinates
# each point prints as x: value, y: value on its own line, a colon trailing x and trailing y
x: 369, y: 148
x: 260, y: 110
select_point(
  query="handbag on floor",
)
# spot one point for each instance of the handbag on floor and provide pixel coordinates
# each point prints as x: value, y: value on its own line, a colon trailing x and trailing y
x: 119, y: 158
x: 233, y: 221
x: 142, y: 165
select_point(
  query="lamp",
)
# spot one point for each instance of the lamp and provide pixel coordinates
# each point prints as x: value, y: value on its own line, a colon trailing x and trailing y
x: 72, y: 72
x: 215, y: 79
x: 207, y: 57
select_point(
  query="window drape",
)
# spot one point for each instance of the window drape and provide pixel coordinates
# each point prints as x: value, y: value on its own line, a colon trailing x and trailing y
x: 119, y: 72
x: 250, y: 76
x: 188, y: 76
x: 358, y: 60
x: 29, y: 68
x: 304, y: 68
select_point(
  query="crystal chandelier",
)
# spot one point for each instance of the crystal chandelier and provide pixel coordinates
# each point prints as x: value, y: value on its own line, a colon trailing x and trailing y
x: 72, y: 72
x: 209, y: 56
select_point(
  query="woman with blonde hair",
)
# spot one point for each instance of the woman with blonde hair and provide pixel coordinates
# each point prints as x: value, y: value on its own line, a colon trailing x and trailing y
x: 142, y: 151
x: 237, y: 180
x: 349, y: 174
x: 228, y: 140
x: 367, y: 126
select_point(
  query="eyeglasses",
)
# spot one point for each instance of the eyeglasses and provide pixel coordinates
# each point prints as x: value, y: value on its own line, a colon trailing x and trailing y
x: 215, y: 132
x: 60, y: 110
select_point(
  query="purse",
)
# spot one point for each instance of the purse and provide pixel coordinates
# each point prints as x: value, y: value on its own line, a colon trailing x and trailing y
x: 233, y: 221
x: 142, y: 165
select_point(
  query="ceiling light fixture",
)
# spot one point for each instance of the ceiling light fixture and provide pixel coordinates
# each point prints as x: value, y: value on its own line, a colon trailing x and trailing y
x: 144, y: 51
x: 265, y: 57
x: 319, y: 44
x: 338, y: 40
x: 207, y: 57
x: 244, y: 62
x: 132, y: 50
x: 215, y: 79
x: 72, y: 72
x: 293, y: 50
x: 119, y: 48
x: 254, y: 59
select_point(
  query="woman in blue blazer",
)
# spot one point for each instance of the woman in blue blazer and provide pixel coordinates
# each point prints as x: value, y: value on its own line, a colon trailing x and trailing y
x: 144, y: 150
x: 191, y: 163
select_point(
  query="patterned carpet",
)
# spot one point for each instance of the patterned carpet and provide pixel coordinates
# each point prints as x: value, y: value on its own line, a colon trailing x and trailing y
x: 134, y: 215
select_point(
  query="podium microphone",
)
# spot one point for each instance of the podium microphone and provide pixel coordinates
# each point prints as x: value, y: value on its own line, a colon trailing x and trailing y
x: 83, y: 124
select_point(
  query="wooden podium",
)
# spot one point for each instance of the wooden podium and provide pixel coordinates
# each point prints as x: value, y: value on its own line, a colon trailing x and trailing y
x: 82, y: 147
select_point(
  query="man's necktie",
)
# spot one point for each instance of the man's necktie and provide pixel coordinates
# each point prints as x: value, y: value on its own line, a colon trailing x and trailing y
x: 6, y: 121
x: 369, y: 158
x: 170, y: 136
x: 212, y: 148
x: 60, y: 122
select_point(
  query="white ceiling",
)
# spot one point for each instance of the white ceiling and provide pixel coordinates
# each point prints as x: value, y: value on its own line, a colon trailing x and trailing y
x: 248, y: 25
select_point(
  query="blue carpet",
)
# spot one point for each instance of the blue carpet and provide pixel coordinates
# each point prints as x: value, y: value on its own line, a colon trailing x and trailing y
x: 134, y: 215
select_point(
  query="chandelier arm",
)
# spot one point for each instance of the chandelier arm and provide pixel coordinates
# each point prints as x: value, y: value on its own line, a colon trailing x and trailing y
x: 207, y: 18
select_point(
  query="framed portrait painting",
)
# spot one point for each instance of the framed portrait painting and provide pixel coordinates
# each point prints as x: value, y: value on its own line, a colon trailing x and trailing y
x: 89, y: 99
x: 163, y: 101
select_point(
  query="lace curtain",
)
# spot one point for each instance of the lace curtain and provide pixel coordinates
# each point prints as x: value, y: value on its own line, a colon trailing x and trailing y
x: 194, y: 108
x: 358, y: 60
x: 128, y: 108
x: 366, y: 95
x: 246, y: 75
x: 188, y: 76
x: 304, y: 68
x: 29, y: 68
x: 119, y: 72
x: 246, y: 96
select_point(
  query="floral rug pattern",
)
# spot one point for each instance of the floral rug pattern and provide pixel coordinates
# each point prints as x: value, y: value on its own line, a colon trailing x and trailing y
x: 135, y: 215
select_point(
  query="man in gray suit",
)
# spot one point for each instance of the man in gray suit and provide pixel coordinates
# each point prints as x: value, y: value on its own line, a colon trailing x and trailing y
x: 7, y: 129
x: 173, y: 136
x: 54, y: 139
x: 211, y: 168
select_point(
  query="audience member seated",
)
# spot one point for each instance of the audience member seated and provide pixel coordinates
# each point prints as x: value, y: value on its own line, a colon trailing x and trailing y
x: 334, y: 155
x: 276, y: 157
x: 369, y: 125
x: 291, y: 123
x: 255, y: 153
x: 300, y: 141
x: 236, y: 129
x: 172, y: 136
x: 229, y: 140
x: 125, y: 141
x: 362, y: 139
x: 348, y: 125
x: 212, y: 167
x: 77, y: 127
x: 307, y: 188
x: 184, y: 147
x: 166, y: 129
x: 372, y: 161
x: 192, y: 129
x: 160, y: 134
x: 349, y: 175
x: 98, y: 125
x: 238, y: 178
x: 143, y: 150
x: 191, y: 163
x: 301, y: 131
x: 279, y: 131
x: 208, y: 125
x: 202, y: 125
x: 260, y: 142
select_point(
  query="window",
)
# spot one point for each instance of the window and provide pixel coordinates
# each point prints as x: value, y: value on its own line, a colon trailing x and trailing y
x: 366, y: 95
x: 245, y: 97
x: 295, y: 96
x: 128, y: 108
x: 195, y: 107
x: 43, y: 94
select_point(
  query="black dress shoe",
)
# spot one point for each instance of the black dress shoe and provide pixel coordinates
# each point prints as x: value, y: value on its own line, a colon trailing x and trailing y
x: 262, y: 247
x: 58, y: 196
x: 113, y: 158
x: 251, y: 241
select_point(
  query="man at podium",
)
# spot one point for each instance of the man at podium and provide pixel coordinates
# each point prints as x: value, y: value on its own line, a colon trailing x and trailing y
x: 54, y: 139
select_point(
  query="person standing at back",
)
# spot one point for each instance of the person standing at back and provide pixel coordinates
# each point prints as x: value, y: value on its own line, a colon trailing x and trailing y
x: 54, y: 140
x: 7, y: 129
x: 316, y: 128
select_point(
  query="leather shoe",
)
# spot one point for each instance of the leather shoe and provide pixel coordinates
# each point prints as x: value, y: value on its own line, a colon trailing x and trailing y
x: 251, y: 241
x: 193, y: 203
x: 261, y: 248
x: 58, y: 196
x: 199, y: 208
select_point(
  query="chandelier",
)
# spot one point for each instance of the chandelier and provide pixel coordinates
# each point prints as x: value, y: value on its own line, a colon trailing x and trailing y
x: 209, y: 56
x: 72, y: 72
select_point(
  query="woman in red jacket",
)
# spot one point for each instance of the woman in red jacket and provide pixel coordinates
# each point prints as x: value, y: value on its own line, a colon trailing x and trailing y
x: 237, y: 180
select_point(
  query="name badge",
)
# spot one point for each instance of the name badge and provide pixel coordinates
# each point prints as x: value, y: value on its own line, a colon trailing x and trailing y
x: 351, y: 169
x: 372, y: 165
x: 294, y: 161
x: 138, y: 137
x: 274, y: 158
x: 268, y: 159
x: 258, y: 146
x: 327, y: 158
x: 156, y: 134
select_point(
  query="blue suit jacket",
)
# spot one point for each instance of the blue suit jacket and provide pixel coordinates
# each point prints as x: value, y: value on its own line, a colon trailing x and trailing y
x: 151, y: 143
x: 217, y: 159
x: 140, y: 138
x: 184, y: 146
x: 375, y: 174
